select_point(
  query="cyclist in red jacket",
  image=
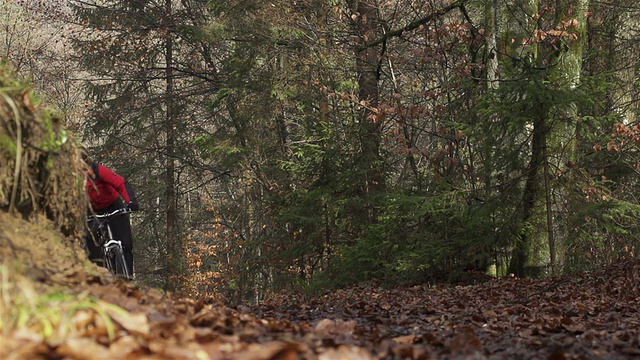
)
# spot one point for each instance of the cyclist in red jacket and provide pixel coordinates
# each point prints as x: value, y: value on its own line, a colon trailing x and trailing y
x: 108, y: 191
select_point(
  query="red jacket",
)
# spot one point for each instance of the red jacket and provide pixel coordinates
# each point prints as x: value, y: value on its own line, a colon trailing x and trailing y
x: 104, y: 187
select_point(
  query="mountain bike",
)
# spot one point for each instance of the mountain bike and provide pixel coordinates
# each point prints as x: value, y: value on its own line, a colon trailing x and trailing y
x: 113, y: 255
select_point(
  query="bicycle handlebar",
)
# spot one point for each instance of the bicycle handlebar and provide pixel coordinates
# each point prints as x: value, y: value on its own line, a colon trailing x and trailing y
x: 124, y: 210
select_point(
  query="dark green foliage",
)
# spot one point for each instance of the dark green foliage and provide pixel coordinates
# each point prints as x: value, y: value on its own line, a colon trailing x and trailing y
x: 604, y: 233
x: 418, y: 239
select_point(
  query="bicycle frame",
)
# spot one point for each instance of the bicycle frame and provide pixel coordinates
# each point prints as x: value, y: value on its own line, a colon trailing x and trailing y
x: 111, y: 247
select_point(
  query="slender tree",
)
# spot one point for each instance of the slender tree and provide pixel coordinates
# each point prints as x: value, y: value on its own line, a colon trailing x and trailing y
x: 367, y: 27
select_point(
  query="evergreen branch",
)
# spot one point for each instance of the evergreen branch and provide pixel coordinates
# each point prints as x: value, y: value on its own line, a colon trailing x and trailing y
x: 414, y: 25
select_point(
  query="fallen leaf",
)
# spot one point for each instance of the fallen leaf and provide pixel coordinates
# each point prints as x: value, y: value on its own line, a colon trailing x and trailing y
x: 339, y: 326
x: 466, y: 341
x: 346, y: 352
x: 84, y: 348
x: 275, y: 350
x: 134, y: 323
x: 407, y: 339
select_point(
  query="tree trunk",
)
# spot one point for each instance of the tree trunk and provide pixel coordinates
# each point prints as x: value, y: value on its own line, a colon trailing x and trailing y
x: 530, y: 195
x: 568, y: 75
x: 174, y: 243
x: 560, y: 62
x: 491, y: 53
x: 367, y: 67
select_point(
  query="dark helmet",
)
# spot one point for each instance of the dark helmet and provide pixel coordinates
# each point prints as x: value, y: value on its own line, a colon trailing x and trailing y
x: 84, y: 154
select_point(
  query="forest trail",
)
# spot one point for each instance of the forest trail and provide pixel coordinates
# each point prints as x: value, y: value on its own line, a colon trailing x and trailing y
x: 586, y: 316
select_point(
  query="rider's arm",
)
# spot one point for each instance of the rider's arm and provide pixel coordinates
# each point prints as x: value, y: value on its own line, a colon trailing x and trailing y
x: 118, y: 182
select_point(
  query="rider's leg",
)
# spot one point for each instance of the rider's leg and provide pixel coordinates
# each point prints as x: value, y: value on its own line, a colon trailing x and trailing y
x: 94, y: 251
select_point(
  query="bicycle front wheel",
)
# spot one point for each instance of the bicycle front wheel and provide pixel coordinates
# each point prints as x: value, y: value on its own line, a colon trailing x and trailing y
x: 108, y: 260
x: 120, y: 266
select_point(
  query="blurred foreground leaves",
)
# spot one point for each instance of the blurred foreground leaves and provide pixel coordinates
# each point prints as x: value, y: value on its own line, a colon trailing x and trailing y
x: 585, y: 316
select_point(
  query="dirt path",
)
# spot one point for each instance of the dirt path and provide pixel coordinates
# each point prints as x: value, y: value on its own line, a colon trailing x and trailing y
x: 590, y: 316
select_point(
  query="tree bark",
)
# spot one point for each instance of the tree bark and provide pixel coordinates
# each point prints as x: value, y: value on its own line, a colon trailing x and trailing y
x: 367, y: 67
x: 174, y: 243
x: 561, y: 66
x: 491, y: 53
x: 530, y: 195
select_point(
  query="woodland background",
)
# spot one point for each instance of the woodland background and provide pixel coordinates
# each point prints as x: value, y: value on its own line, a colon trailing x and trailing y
x: 313, y: 144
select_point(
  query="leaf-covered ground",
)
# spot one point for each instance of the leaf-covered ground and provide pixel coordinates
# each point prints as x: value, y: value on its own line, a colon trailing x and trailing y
x: 56, y: 306
x: 586, y: 316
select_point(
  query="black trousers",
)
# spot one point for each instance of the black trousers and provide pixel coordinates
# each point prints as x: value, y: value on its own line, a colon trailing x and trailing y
x: 121, y: 229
